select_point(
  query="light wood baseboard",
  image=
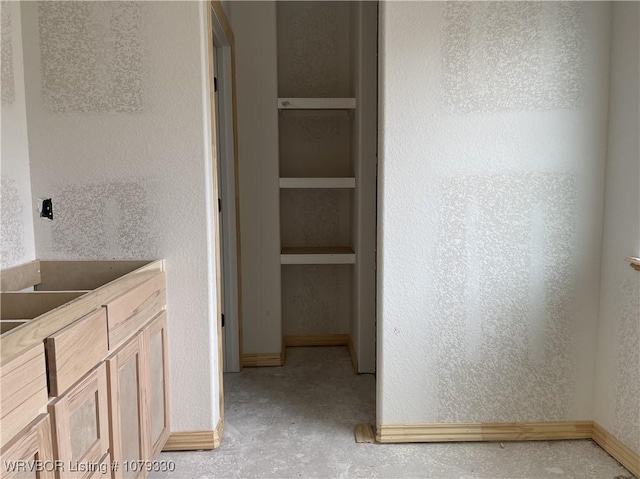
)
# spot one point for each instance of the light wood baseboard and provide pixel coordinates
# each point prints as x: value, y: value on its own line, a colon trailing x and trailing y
x: 254, y: 360
x: 527, y: 431
x: 364, y: 433
x: 616, y: 449
x: 195, y: 440
x: 354, y: 355
x: 191, y: 441
x: 324, y: 340
x: 543, y: 431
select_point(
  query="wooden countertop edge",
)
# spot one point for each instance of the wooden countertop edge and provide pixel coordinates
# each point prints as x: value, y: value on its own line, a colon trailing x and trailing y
x: 23, y: 337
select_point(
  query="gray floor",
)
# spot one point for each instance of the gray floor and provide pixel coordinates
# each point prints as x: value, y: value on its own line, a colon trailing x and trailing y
x: 297, y: 421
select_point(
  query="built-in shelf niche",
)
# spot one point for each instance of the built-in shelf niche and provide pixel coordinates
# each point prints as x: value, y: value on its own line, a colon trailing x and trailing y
x: 316, y: 103
x: 317, y: 145
x: 349, y: 182
x: 316, y: 217
x: 318, y: 255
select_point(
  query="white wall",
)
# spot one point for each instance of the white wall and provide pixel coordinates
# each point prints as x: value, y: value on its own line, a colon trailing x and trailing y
x: 618, y: 379
x: 254, y: 29
x: 16, y: 210
x: 118, y: 138
x: 492, y: 148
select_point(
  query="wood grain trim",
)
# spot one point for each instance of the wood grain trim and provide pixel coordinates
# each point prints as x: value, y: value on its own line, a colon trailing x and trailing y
x: 194, y: 440
x: 128, y: 312
x: 541, y: 431
x: 321, y: 340
x: 33, y: 441
x: 31, y: 304
x: 20, y: 277
x: 354, y: 355
x: 24, y: 390
x: 364, y: 433
x: 621, y: 453
x: 84, y: 275
x: 75, y: 350
x: 131, y: 351
x: 253, y: 360
x: 157, y: 326
x: 219, y: 13
x: 21, y: 338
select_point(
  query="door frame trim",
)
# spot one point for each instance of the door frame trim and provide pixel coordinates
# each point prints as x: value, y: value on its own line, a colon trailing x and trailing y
x: 218, y: 26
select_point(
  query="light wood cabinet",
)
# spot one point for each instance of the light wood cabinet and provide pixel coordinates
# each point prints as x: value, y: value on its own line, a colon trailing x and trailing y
x: 104, y: 378
x: 29, y: 453
x: 80, y: 425
x: 128, y: 416
x: 155, y: 350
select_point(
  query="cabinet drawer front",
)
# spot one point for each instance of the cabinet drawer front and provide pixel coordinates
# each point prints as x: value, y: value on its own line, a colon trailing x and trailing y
x: 30, y: 445
x: 127, y: 313
x: 80, y: 421
x: 75, y: 350
x: 24, y: 390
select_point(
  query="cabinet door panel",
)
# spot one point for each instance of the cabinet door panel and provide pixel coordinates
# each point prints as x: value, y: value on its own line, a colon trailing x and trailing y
x: 127, y: 408
x: 29, y: 449
x: 80, y: 418
x: 24, y: 391
x: 156, y: 352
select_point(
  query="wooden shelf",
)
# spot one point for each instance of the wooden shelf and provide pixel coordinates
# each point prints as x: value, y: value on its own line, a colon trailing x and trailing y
x: 634, y: 262
x: 318, y: 182
x: 316, y: 103
x: 322, y: 255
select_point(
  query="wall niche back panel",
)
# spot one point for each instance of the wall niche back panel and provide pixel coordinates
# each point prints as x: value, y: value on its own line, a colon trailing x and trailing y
x: 91, y: 57
x: 316, y: 299
x: 313, y: 49
x: 315, y: 144
x: 315, y: 217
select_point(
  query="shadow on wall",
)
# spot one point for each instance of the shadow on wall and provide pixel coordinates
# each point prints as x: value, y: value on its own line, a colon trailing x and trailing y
x: 102, y: 221
x: 11, y: 213
x: 505, y: 297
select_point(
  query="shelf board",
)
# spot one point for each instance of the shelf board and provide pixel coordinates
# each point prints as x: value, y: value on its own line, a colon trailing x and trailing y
x: 634, y: 262
x: 316, y: 103
x: 322, y: 255
x: 318, y: 182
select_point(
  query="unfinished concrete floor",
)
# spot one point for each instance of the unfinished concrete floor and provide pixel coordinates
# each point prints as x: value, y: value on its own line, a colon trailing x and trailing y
x: 298, y: 420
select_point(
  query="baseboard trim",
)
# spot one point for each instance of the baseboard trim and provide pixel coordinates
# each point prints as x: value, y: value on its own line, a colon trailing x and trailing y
x: 318, y: 340
x: 194, y: 440
x: 542, y: 431
x: 621, y: 453
x: 255, y: 360
x: 353, y: 354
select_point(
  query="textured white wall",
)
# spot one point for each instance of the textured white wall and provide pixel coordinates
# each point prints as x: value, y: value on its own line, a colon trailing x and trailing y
x: 16, y: 210
x: 492, y: 144
x: 118, y: 138
x: 618, y: 378
x: 254, y: 28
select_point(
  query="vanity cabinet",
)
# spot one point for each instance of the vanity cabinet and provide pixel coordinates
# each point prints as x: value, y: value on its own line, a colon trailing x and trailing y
x: 84, y: 370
